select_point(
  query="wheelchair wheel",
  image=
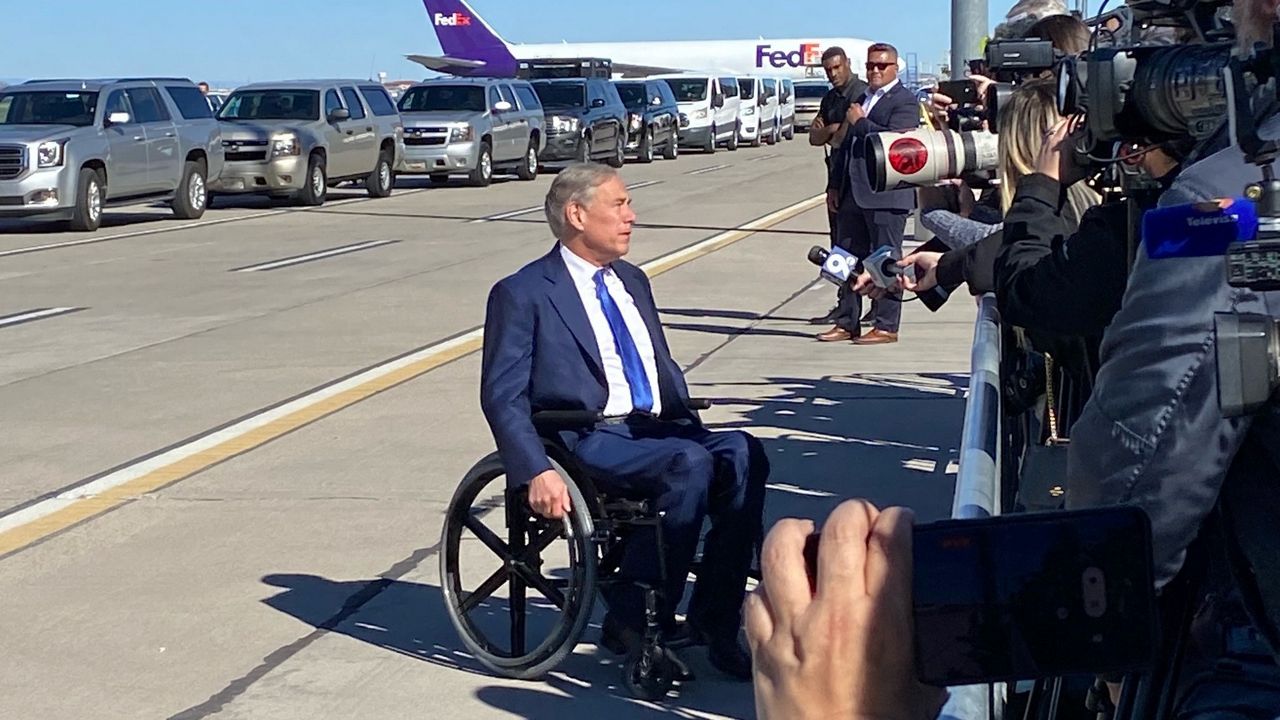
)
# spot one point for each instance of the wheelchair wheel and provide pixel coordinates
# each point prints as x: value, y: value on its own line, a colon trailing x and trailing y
x: 494, y: 550
x: 649, y: 674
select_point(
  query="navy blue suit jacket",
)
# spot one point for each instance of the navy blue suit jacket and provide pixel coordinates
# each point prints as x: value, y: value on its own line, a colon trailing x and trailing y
x: 898, y: 110
x: 540, y: 354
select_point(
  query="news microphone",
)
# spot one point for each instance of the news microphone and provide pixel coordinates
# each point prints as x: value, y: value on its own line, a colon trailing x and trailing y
x: 883, y: 267
x: 837, y: 265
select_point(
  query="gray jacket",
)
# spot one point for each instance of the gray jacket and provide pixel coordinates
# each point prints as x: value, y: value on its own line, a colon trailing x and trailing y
x: 1152, y: 433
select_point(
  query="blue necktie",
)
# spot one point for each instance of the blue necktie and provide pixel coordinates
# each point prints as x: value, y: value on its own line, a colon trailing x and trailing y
x: 632, y: 367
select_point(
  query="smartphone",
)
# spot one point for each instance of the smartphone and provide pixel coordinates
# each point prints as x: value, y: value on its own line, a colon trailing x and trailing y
x: 962, y: 92
x: 1034, y: 595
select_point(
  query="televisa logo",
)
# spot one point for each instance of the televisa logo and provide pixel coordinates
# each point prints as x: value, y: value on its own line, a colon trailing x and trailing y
x: 808, y: 54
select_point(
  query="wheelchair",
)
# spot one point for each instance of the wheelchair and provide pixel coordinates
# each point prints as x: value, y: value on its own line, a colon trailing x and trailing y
x: 520, y: 635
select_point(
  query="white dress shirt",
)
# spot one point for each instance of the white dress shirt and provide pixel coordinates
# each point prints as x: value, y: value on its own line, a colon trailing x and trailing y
x: 874, y: 97
x: 583, y: 274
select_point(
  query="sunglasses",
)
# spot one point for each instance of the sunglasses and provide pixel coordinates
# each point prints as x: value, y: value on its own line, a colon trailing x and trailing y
x: 880, y: 66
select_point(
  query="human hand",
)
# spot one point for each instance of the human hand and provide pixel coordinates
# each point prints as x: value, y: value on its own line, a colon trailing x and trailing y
x: 835, y: 644
x: 926, y: 264
x: 549, y: 496
x: 855, y: 113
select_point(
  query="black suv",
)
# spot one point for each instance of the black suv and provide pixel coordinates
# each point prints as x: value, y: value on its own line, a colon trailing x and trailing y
x: 653, y: 118
x: 586, y: 120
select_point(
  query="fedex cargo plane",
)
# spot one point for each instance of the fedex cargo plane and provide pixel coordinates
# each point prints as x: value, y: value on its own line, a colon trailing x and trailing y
x: 473, y: 49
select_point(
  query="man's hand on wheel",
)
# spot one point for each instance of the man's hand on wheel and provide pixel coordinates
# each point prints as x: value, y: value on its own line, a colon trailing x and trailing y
x: 549, y: 496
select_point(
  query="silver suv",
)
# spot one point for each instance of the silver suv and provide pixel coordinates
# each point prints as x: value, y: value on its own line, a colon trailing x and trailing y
x: 464, y: 125
x: 68, y: 148
x: 299, y: 138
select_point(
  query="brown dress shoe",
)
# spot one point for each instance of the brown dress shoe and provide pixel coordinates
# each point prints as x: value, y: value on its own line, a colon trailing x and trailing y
x: 835, y: 334
x: 876, y: 337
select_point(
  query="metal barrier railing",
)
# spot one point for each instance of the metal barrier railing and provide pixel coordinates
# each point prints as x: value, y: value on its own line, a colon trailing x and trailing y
x: 978, y: 479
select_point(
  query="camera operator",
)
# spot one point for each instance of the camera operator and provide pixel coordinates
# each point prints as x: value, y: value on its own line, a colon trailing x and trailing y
x: 1153, y: 433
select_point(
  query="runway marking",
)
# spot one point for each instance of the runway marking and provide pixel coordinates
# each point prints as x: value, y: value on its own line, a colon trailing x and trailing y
x: 184, y: 226
x: 27, y: 316
x: 539, y: 208
x: 312, y: 257
x: 97, y: 495
x: 713, y: 168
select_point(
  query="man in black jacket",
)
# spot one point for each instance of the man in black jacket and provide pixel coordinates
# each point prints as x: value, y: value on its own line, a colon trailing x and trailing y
x: 867, y: 220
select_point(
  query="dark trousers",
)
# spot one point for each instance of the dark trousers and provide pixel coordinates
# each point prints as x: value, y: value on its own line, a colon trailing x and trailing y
x: 688, y: 472
x: 862, y: 232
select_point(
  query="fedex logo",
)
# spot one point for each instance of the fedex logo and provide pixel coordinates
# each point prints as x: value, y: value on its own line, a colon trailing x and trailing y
x: 808, y: 54
x: 452, y: 20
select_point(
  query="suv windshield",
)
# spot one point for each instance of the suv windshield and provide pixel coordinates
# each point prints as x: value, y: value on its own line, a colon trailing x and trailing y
x: 561, y: 95
x: 633, y: 95
x: 272, y: 105
x: 431, y: 98
x: 748, y: 88
x: 688, y: 90
x: 48, y: 108
x: 811, y: 92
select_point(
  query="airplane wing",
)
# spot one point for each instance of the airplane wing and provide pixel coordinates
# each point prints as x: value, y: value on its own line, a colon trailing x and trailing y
x: 444, y: 63
x: 630, y: 71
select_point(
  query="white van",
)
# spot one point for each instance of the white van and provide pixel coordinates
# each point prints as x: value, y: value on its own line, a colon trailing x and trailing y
x: 751, y: 90
x: 787, y: 108
x: 771, y: 112
x: 707, y: 117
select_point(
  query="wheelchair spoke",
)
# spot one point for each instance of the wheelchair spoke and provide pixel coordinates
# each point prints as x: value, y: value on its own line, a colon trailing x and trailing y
x: 541, y: 584
x: 488, y: 537
x: 486, y: 589
x: 541, y: 542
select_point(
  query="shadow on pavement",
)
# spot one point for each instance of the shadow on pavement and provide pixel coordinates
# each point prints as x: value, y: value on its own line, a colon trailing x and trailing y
x: 409, y: 618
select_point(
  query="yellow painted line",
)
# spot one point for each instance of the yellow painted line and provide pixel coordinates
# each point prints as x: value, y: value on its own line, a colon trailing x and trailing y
x: 48, y: 517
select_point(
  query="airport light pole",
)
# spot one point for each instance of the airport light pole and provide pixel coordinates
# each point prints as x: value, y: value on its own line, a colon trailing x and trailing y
x: 968, y: 30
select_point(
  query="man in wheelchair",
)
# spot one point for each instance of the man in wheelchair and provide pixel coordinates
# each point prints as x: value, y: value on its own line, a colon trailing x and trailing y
x: 578, y: 330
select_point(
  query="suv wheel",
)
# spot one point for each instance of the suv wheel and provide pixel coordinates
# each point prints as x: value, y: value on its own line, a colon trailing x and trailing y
x: 528, y: 169
x: 584, y: 149
x: 672, y: 150
x: 646, y: 146
x: 710, y: 146
x: 735, y: 139
x: 87, y: 216
x: 619, y: 157
x: 317, y: 185
x: 483, y: 173
x: 382, y: 179
x: 790, y: 134
x: 192, y: 196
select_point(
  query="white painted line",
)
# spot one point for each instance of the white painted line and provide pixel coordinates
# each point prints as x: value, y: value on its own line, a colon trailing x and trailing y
x: 172, y: 228
x: 27, y: 316
x: 713, y: 168
x: 309, y: 257
x: 764, y: 157
x: 467, y: 342
x: 539, y: 208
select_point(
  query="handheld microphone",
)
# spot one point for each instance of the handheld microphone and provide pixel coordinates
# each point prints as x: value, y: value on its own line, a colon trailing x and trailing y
x: 883, y: 267
x: 836, y: 265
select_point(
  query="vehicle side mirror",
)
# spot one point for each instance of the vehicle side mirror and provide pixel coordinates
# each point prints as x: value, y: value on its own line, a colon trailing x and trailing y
x: 501, y: 106
x: 598, y: 102
x: 118, y: 118
x: 339, y: 114
x: 761, y: 101
x: 718, y: 101
x: 656, y: 101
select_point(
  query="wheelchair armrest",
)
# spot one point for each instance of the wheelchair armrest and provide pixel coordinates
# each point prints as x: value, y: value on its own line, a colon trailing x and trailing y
x: 698, y: 403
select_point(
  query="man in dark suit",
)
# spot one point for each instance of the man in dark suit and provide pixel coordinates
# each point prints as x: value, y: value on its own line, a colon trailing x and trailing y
x: 867, y: 220
x: 578, y: 329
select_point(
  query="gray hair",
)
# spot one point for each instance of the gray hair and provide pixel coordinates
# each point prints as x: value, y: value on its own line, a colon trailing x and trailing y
x: 574, y: 184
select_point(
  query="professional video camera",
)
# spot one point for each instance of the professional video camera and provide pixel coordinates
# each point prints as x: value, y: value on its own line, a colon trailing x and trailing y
x: 1150, y: 93
x: 1248, y: 344
x: 920, y: 158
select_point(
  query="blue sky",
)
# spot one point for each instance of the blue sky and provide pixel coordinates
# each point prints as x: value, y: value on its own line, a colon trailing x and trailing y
x: 235, y: 41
